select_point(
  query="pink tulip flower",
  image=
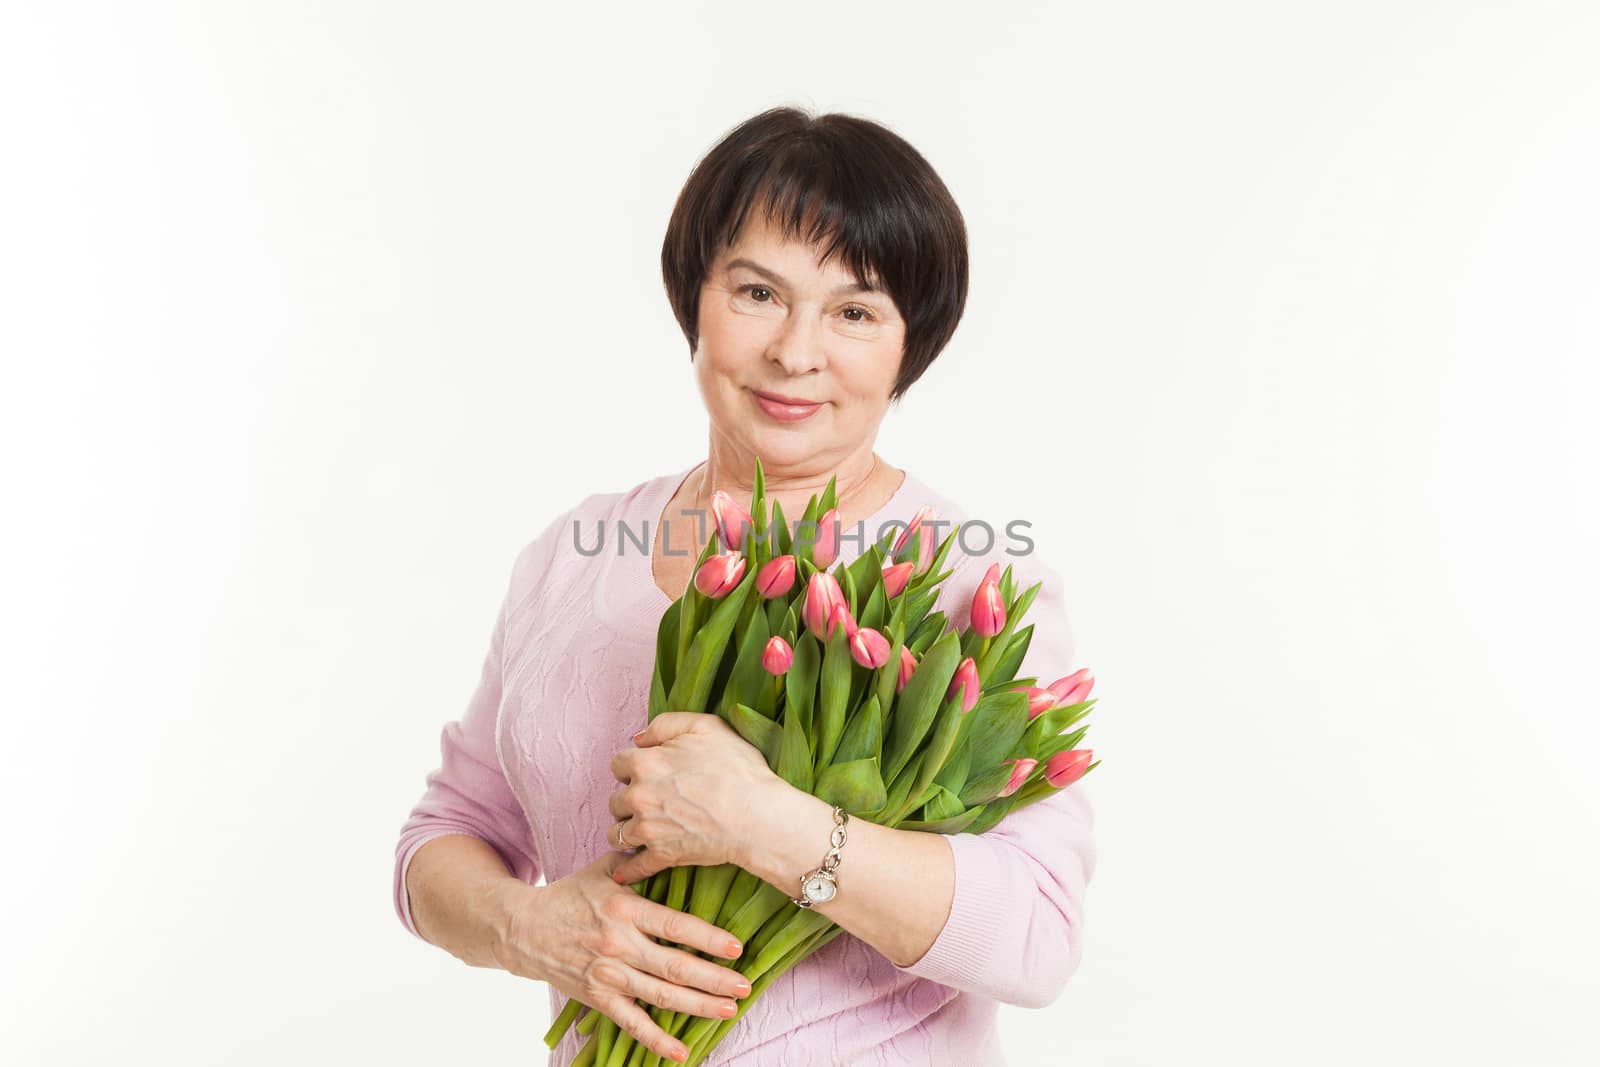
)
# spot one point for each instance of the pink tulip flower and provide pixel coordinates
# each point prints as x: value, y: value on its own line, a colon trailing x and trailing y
x: 895, y: 577
x: 926, y: 547
x: 840, y: 616
x: 719, y: 575
x: 923, y: 514
x: 826, y: 550
x: 822, y: 593
x: 1064, y: 768
x: 908, y: 667
x: 777, y: 657
x: 1039, y: 700
x: 1074, y: 688
x: 988, y: 606
x: 966, y: 683
x: 732, y: 519
x: 776, y: 577
x: 869, y: 648
x: 925, y: 550
x: 1020, y: 769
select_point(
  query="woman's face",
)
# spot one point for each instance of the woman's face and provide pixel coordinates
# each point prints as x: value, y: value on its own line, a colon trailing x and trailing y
x: 775, y: 324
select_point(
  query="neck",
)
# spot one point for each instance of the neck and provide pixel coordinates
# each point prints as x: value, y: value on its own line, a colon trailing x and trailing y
x: 792, y: 485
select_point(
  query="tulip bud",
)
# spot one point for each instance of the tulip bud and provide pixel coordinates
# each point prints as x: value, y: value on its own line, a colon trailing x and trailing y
x: 777, y: 657
x: 732, y: 519
x: 1064, y: 768
x: 966, y: 683
x: 869, y: 648
x: 923, y: 514
x: 826, y: 550
x: 1020, y: 769
x: 840, y: 615
x: 822, y: 593
x: 895, y: 577
x: 1074, y: 688
x: 988, y: 606
x: 925, y: 550
x: 1039, y: 700
x: 908, y: 667
x: 719, y: 575
x: 776, y: 577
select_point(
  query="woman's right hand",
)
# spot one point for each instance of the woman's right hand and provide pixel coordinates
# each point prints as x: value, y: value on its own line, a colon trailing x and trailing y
x: 591, y: 939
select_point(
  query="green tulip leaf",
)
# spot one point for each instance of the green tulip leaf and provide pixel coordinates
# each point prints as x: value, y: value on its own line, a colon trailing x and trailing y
x: 757, y: 729
x: 899, y: 792
x: 889, y: 673
x: 692, y: 688
x: 780, y: 530
x: 984, y: 786
x: 1052, y: 722
x: 872, y: 614
x: 953, y: 775
x: 855, y: 786
x: 1006, y: 666
x: 667, y: 646
x: 998, y: 721
x: 748, y: 675
x: 835, y: 691
x: 863, y: 736
x: 917, y: 705
x: 800, y: 684
x: 941, y: 741
x: 953, y: 825
x: 943, y: 805
x: 794, y: 755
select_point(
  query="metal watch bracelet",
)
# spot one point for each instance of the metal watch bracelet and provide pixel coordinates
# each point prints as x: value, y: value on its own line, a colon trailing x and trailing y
x: 820, y: 885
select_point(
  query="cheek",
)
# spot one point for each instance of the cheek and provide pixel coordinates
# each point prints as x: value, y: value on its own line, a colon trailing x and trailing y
x: 731, y: 345
x: 870, y: 374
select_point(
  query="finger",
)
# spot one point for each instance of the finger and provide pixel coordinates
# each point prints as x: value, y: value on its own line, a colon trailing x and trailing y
x: 618, y: 804
x: 622, y: 765
x: 678, y: 998
x: 625, y: 845
x: 691, y: 931
x: 635, y: 1021
x: 666, y: 726
x: 680, y: 968
x: 636, y: 866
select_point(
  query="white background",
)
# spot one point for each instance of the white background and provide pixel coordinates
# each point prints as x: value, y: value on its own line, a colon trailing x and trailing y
x: 315, y: 313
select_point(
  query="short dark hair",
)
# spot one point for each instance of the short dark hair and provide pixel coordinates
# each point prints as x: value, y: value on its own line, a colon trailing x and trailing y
x: 836, y: 178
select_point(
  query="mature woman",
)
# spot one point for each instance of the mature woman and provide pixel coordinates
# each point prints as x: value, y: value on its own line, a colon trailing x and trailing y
x: 817, y: 266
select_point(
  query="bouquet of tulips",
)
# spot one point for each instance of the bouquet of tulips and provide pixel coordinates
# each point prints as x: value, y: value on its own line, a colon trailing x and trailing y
x: 856, y: 691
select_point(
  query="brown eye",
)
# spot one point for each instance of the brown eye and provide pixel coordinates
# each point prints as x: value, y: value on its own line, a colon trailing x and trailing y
x: 866, y: 316
x: 753, y: 289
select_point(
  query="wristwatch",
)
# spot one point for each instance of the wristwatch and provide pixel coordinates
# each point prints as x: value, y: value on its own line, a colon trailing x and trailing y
x: 821, y: 885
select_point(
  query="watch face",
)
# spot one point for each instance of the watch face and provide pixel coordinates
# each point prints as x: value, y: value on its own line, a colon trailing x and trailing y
x: 819, y: 890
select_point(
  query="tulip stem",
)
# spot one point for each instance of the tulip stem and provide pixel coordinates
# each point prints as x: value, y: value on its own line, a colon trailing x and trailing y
x: 586, y: 1055
x: 558, y: 1029
x: 704, y: 1034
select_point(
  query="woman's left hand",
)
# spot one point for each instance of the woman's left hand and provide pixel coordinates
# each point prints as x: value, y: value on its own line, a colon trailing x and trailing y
x: 690, y: 793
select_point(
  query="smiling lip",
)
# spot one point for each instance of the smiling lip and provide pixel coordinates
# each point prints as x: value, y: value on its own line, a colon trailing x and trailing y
x: 784, y: 408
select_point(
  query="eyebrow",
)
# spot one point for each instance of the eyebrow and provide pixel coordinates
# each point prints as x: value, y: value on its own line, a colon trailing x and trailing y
x: 750, y: 264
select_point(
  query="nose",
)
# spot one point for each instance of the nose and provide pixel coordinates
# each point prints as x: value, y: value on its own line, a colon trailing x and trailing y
x: 797, y: 348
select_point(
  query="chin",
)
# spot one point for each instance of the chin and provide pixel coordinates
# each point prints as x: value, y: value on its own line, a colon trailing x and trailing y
x: 782, y: 446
